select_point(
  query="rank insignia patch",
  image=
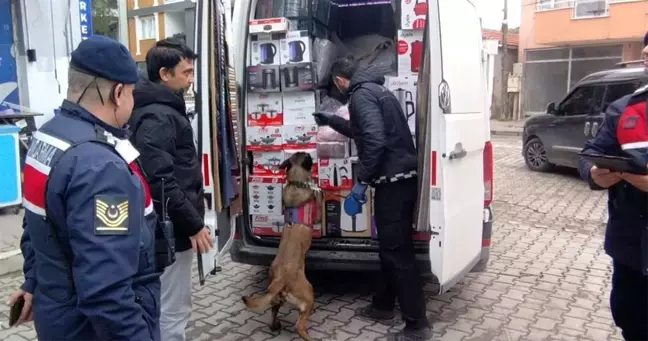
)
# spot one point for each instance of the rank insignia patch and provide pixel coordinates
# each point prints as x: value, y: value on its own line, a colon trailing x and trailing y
x: 630, y: 122
x: 111, y: 215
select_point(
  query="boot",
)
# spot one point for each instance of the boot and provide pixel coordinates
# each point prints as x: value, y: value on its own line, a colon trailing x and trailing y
x: 371, y: 313
x: 423, y: 334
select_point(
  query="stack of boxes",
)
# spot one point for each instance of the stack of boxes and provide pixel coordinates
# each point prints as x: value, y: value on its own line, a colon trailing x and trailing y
x: 280, y: 103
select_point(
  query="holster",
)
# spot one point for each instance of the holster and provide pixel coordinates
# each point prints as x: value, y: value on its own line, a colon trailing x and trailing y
x: 164, y: 245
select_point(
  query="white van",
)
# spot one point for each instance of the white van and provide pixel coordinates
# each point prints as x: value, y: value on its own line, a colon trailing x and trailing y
x: 455, y: 153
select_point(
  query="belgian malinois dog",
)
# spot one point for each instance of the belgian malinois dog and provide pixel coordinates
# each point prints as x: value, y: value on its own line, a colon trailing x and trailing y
x: 287, y: 277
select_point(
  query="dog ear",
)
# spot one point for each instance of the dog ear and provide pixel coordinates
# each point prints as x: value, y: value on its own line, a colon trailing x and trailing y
x: 285, y: 165
x: 307, y: 163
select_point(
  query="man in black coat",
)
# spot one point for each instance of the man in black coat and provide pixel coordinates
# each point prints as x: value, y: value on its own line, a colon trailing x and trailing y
x: 387, y: 161
x: 162, y: 133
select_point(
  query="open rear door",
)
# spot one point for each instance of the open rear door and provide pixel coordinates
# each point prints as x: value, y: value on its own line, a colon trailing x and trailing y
x: 455, y: 138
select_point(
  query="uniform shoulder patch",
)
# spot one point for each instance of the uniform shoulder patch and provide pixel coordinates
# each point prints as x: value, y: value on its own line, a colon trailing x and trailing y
x: 630, y: 121
x: 111, y: 215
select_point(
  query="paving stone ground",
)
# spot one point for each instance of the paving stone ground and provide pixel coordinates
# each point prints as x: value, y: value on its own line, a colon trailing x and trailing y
x: 548, y: 278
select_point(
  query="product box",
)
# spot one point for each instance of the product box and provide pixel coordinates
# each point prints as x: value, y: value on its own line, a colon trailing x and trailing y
x: 264, y: 109
x: 269, y: 25
x: 265, y: 194
x: 264, y: 138
x: 267, y: 163
x: 263, y: 78
x: 335, y: 174
x: 404, y: 88
x: 264, y: 49
x: 296, y: 48
x: 299, y: 136
x: 313, y: 153
x: 299, y: 107
x: 272, y: 225
x: 410, y: 51
x: 339, y: 224
x: 297, y: 77
x: 413, y: 14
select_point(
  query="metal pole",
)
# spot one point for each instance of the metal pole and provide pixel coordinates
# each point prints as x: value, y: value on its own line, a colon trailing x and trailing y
x: 504, y: 112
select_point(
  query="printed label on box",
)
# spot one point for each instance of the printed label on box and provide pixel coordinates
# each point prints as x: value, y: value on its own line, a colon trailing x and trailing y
x: 312, y: 152
x: 267, y: 225
x: 299, y: 136
x: 404, y: 88
x: 410, y: 51
x: 268, y: 138
x: 335, y: 174
x: 413, y: 14
x: 265, y: 195
x: 267, y: 163
x: 264, y: 109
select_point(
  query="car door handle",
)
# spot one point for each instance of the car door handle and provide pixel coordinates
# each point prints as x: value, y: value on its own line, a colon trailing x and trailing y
x: 587, y: 128
x: 594, y: 128
x: 457, y: 153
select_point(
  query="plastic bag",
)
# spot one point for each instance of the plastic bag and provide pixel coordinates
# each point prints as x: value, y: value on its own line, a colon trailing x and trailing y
x: 327, y: 134
x: 325, y: 51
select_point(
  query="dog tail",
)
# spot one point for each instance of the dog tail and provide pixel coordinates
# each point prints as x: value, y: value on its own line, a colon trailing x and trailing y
x: 256, y: 302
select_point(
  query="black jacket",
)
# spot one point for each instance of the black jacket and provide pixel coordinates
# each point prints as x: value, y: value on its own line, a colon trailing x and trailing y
x: 161, y: 132
x: 378, y: 128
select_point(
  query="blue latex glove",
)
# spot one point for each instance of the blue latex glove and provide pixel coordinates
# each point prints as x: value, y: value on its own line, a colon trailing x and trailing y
x: 354, y: 201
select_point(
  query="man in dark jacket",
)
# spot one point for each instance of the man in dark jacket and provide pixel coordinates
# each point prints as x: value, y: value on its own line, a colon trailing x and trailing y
x: 387, y: 161
x: 625, y: 133
x: 163, y: 135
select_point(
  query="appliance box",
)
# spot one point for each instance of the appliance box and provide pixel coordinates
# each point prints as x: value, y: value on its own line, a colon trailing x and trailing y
x: 299, y: 136
x: 264, y: 49
x: 267, y: 163
x: 313, y: 153
x: 269, y: 25
x: 272, y: 226
x: 410, y: 51
x: 404, y: 88
x: 265, y: 194
x: 299, y: 107
x: 335, y: 174
x: 296, y: 48
x: 413, y: 14
x: 264, y: 138
x: 297, y: 77
x: 264, y: 109
x: 339, y: 224
x: 263, y: 78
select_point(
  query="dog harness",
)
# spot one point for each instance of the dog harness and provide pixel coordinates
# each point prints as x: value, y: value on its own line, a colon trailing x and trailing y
x: 304, y: 214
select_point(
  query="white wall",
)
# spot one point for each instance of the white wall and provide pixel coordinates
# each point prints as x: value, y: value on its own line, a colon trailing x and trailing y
x: 174, y: 22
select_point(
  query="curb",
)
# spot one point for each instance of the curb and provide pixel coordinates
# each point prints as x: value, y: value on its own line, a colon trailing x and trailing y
x: 10, y: 261
x: 506, y: 132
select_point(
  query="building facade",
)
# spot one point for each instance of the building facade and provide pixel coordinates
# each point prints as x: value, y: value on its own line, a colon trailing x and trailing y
x: 153, y: 20
x: 562, y: 41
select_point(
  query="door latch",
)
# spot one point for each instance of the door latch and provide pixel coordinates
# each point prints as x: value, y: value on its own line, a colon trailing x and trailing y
x: 587, y: 128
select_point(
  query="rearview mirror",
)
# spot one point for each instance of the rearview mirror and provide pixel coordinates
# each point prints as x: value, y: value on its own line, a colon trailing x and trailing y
x: 551, y: 108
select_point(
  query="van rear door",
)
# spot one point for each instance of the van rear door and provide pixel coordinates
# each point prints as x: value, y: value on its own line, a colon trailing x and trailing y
x: 455, y: 137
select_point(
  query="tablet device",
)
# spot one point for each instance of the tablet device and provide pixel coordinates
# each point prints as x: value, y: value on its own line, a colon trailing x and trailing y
x: 614, y: 163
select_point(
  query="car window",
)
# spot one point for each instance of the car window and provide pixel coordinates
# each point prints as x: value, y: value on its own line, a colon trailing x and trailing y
x: 616, y: 91
x: 581, y: 101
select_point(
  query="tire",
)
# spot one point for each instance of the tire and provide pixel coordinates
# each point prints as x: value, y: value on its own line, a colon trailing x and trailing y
x: 535, y: 156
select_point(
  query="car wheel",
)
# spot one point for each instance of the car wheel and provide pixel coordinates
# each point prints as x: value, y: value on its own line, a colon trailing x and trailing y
x: 535, y: 156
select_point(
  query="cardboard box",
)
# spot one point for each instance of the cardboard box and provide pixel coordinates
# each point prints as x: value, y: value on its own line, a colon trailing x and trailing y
x: 269, y: 25
x: 265, y: 194
x: 264, y: 109
x: 299, y: 136
x: 263, y: 78
x: 339, y: 224
x: 335, y: 174
x: 296, y: 48
x: 267, y: 138
x: 313, y: 153
x: 267, y: 163
x: 404, y: 88
x: 299, y: 107
x: 410, y: 51
x: 413, y: 14
x: 265, y: 49
x: 272, y: 225
x: 297, y: 77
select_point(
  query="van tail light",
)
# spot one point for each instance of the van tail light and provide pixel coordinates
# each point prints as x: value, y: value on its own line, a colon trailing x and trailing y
x: 421, y: 236
x: 488, y: 173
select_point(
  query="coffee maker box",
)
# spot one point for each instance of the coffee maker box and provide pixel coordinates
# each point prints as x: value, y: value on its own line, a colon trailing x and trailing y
x: 413, y: 14
x: 404, y: 88
x: 264, y: 109
x: 297, y: 77
x: 265, y: 49
x: 299, y: 136
x: 338, y: 224
x: 267, y: 163
x: 299, y: 107
x: 296, y: 48
x: 335, y: 174
x: 264, y: 138
x: 265, y: 194
x: 263, y: 78
x: 410, y: 51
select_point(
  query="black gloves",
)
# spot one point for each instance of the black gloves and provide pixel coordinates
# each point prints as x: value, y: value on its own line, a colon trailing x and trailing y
x: 322, y: 119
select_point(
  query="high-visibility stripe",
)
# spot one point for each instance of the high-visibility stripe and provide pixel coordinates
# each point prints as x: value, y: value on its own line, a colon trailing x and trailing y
x: 49, y: 139
x: 634, y: 145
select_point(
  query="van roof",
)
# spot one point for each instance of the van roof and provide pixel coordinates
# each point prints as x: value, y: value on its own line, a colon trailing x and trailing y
x: 616, y: 75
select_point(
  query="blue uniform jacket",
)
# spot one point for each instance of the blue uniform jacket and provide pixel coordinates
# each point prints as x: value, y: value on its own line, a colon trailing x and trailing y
x: 626, y: 236
x: 88, y: 247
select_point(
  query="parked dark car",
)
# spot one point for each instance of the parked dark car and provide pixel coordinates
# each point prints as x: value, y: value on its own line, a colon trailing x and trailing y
x: 557, y: 136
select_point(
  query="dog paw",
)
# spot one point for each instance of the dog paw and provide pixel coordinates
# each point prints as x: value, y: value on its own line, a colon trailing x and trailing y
x: 275, y: 326
x: 245, y: 300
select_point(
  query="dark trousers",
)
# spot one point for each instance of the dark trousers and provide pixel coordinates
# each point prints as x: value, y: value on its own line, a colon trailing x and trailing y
x: 629, y: 302
x: 394, y: 205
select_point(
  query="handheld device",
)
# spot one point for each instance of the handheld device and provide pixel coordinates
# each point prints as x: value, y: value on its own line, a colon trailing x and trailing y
x: 16, y: 310
x: 615, y: 163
